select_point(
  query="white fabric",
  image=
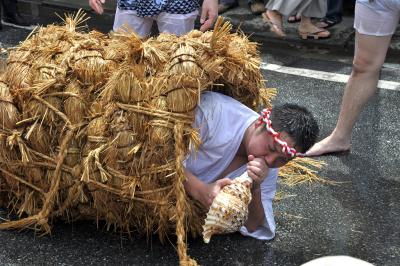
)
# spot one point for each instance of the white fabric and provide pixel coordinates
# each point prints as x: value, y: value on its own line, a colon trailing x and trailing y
x: 377, y: 18
x: 177, y: 24
x: 222, y: 122
x: 308, y: 8
x: 337, y: 260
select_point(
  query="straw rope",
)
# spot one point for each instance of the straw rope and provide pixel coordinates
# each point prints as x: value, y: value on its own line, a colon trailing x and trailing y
x: 120, y: 194
x: 60, y: 114
x: 172, y: 117
x: 181, y: 202
x: 21, y: 180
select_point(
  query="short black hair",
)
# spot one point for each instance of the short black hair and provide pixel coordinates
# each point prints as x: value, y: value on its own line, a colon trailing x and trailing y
x: 297, y: 122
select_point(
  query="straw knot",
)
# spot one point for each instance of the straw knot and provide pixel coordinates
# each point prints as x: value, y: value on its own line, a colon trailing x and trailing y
x: 42, y: 221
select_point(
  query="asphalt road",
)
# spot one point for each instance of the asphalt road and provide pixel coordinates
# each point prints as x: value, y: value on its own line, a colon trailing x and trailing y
x: 358, y: 217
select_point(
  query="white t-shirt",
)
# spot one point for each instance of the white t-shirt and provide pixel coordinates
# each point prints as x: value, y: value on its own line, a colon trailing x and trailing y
x: 222, y: 122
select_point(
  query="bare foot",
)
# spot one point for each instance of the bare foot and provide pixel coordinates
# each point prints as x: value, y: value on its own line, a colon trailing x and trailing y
x: 312, y: 31
x: 310, y: 28
x: 329, y: 144
x: 274, y: 19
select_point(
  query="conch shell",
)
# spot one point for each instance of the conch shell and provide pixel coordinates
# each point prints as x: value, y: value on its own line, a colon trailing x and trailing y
x: 229, y: 209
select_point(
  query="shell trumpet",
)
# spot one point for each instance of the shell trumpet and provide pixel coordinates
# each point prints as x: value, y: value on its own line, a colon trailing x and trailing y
x: 229, y: 209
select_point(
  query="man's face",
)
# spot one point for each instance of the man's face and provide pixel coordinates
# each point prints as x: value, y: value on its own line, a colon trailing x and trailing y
x: 263, y: 145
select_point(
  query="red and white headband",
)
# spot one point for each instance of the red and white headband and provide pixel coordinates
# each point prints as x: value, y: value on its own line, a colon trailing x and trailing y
x: 264, y: 119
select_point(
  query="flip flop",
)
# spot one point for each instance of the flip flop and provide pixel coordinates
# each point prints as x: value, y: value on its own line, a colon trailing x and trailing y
x: 320, y: 34
x: 329, y: 23
x: 273, y: 27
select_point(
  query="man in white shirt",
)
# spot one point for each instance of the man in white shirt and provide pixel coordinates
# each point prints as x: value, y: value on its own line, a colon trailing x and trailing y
x: 236, y: 139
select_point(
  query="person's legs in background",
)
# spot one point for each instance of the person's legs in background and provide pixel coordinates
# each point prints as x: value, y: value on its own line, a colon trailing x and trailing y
x: 178, y: 24
x: 307, y: 9
x: 369, y: 56
x: 333, y: 16
x: 274, y: 19
x: 127, y: 19
x: 370, y: 53
x: 335, y: 9
x: 307, y: 29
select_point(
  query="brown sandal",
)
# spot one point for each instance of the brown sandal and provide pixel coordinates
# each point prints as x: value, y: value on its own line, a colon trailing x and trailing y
x: 321, y: 34
x: 273, y: 27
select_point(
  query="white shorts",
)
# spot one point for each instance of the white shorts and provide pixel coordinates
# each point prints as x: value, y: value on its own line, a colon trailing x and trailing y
x: 377, y: 18
x: 178, y: 24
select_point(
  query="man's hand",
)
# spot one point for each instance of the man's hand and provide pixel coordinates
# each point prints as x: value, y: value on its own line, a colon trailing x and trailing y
x: 204, y: 193
x: 209, y: 13
x: 97, y: 5
x: 210, y: 191
x: 257, y: 169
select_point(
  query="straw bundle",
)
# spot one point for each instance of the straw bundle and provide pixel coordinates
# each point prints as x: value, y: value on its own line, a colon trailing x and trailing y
x: 184, y: 80
x: 38, y: 138
x: 89, y: 65
x: 106, y: 121
x: 74, y: 104
x: 18, y: 62
x: 9, y: 114
x: 6, y: 155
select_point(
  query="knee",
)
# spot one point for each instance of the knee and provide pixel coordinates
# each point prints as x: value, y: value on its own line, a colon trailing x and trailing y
x: 365, y: 66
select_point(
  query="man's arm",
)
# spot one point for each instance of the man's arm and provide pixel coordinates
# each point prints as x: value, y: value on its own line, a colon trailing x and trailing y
x: 256, y: 210
x: 257, y: 169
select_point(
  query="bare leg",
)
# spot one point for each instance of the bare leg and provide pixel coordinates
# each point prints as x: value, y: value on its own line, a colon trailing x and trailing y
x: 370, y: 53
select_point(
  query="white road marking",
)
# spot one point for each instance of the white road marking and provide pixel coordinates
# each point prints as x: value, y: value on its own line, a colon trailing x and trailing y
x: 316, y: 74
x: 31, y: 27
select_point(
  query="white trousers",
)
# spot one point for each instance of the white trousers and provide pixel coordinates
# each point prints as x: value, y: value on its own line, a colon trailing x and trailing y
x: 178, y: 24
